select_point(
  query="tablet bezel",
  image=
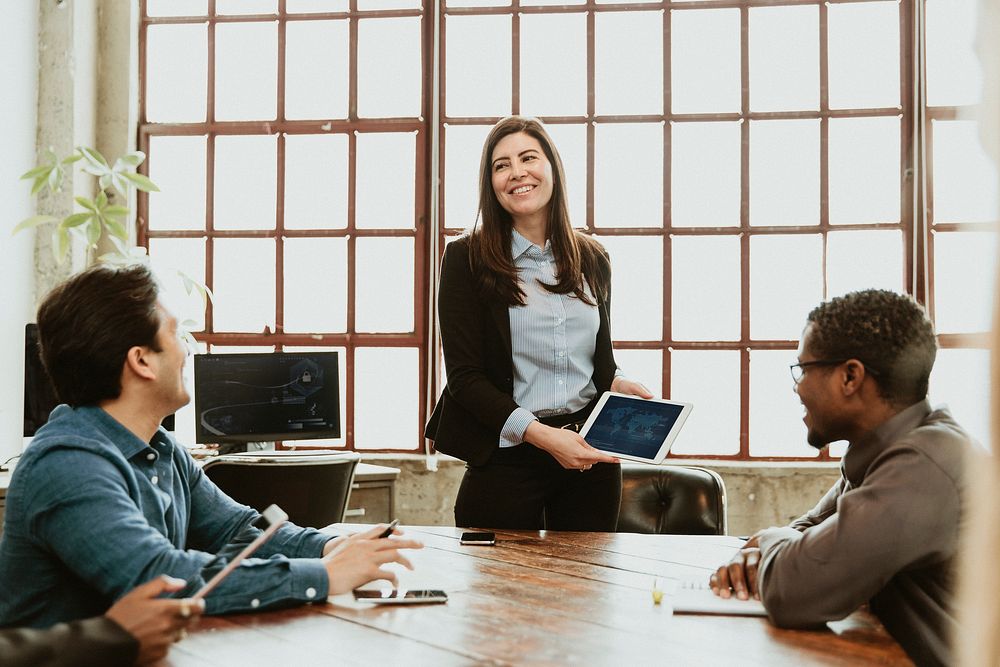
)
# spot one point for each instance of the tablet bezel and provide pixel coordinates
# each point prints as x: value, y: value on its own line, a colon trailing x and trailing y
x: 668, y: 441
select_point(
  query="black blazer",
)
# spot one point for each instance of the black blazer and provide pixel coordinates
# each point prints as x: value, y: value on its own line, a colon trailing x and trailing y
x: 475, y: 335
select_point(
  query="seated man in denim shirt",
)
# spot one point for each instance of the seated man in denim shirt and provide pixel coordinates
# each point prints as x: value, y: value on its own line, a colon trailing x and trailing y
x: 104, y: 500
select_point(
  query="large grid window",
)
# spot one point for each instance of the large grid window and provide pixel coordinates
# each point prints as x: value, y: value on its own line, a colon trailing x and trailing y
x: 741, y: 162
x: 289, y: 139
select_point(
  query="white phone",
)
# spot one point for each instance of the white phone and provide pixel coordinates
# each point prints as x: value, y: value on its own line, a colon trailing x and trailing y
x: 274, y: 517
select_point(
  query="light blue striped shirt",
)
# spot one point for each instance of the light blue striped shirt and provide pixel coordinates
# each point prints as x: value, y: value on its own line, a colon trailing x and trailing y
x: 553, y: 339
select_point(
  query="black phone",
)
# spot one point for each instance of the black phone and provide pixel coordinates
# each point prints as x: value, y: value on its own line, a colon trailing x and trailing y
x: 479, y: 539
x: 400, y: 596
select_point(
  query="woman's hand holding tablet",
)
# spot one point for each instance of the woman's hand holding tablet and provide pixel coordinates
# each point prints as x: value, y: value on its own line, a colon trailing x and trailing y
x: 635, y: 428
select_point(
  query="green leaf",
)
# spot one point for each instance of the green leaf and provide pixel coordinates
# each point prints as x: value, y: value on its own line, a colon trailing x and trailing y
x: 60, y: 244
x: 94, y: 231
x: 72, y: 158
x: 37, y: 171
x: 141, y: 182
x: 76, y: 219
x: 39, y: 184
x: 116, y: 211
x: 190, y: 284
x: 33, y: 221
x: 86, y: 203
x: 104, y: 182
x: 116, y: 229
x: 93, y: 157
x: 128, y: 161
x: 55, y: 179
x: 102, y: 200
x: 119, y: 184
x: 95, y: 171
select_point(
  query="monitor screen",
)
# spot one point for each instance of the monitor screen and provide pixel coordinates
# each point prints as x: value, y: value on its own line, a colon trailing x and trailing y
x: 258, y: 397
x: 39, y: 394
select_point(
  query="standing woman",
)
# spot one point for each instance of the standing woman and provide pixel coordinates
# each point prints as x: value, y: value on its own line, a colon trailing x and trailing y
x: 524, y: 310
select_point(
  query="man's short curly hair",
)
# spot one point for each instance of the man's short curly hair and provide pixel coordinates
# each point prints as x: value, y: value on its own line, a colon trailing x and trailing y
x: 888, y: 332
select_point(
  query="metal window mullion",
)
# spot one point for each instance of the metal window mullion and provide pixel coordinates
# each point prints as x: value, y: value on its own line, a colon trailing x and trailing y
x: 591, y: 106
x: 210, y: 170
x: 515, y: 58
x: 744, y: 450
x: 667, y: 332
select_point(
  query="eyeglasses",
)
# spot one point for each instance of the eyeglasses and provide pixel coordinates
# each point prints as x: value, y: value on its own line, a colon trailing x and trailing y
x: 798, y: 370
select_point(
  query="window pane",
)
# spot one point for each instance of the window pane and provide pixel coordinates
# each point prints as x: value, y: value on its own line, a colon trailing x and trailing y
x: 954, y: 76
x: 705, y: 60
x: 316, y: 181
x: 245, y: 182
x: 961, y: 380
x: 386, y: 180
x: 571, y: 142
x: 175, y: 86
x: 389, y: 66
x: 176, y: 7
x: 784, y: 181
x: 384, y: 285
x: 965, y: 179
x: 645, y: 366
x: 246, y: 6
x: 385, y: 376
x: 314, y: 6
x: 316, y: 74
x: 776, y: 426
x: 709, y: 379
x: 477, y: 3
x: 177, y: 166
x: 168, y: 256
x: 964, y: 266
x: 628, y: 165
x: 364, y: 5
x: 553, y: 64
x: 463, y: 145
x: 246, y: 71
x: 244, y: 285
x: 316, y: 285
x: 784, y: 58
x: 636, y: 287
x: 483, y: 89
x: 706, y: 288
x: 549, y: 3
x: 863, y: 55
x: 705, y: 174
x: 786, y: 282
x: 629, y: 42
x: 864, y: 170
x: 866, y: 259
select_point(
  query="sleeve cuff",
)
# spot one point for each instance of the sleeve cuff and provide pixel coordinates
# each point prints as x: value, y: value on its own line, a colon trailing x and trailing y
x: 310, y: 582
x: 513, y: 429
x: 771, y: 538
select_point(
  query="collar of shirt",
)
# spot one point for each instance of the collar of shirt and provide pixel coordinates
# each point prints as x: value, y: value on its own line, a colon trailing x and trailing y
x: 860, y: 454
x: 521, y: 246
x: 126, y: 441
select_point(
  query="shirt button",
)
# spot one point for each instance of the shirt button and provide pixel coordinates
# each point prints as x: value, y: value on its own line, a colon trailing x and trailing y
x: 151, y: 456
x: 255, y: 603
x: 155, y: 479
x: 310, y: 592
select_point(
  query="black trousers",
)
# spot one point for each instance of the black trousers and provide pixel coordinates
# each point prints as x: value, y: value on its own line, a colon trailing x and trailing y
x: 523, y: 487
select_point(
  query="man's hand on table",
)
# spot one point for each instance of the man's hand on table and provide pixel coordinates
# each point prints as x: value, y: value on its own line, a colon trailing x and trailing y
x: 739, y: 576
x: 354, y: 560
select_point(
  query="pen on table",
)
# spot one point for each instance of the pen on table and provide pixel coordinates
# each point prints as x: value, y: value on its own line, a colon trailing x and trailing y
x: 388, y: 531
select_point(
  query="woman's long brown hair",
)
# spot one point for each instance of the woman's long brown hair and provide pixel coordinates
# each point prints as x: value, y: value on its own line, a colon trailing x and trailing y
x: 576, y: 254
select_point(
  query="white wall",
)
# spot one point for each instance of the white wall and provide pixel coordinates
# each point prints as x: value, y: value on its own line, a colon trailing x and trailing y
x: 18, y: 81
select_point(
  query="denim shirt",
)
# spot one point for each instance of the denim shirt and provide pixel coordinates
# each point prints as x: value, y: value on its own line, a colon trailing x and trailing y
x: 93, y: 511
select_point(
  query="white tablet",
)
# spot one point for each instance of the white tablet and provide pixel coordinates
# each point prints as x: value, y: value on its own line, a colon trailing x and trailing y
x: 634, y: 428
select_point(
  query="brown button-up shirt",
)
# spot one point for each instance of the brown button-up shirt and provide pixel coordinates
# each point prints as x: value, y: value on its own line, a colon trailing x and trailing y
x: 886, y: 534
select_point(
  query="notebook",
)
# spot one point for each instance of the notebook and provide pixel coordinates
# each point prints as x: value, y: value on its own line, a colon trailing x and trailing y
x: 695, y: 597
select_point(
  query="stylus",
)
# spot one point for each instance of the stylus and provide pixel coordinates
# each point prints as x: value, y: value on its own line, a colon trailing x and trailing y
x: 388, y: 531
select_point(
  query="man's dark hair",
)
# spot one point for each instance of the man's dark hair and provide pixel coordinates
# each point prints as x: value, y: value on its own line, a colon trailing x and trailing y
x: 888, y: 332
x: 87, y: 325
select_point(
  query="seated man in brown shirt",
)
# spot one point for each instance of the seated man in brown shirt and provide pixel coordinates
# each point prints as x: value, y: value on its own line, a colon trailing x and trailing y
x: 887, y: 532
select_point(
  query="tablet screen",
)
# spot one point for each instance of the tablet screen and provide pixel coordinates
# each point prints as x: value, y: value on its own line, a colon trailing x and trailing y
x: 632, y: 426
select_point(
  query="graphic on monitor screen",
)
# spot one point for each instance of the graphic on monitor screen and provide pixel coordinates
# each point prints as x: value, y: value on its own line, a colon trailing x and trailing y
x: 39, y: 394
x: 258, y: 397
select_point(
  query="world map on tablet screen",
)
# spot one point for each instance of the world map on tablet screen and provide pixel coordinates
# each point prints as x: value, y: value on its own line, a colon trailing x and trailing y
x: 632, y: 426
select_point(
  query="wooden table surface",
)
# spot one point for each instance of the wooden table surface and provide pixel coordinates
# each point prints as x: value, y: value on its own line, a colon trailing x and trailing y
x: 535, y: 598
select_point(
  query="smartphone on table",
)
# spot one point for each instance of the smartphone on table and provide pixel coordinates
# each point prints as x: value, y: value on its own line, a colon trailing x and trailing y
x: 400, y: 596
x: 478, y: 538
x: 270, y: 520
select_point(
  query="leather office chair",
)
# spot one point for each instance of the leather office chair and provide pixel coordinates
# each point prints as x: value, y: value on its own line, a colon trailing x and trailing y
x: 680, y: 500
x: 312, y: 488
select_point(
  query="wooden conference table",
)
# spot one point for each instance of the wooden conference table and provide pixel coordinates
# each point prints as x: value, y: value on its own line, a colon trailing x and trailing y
x: 535, y: 598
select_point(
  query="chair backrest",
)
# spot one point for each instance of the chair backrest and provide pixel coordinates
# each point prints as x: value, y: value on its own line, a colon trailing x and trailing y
x: 670, y: 499
x: 312, y: 488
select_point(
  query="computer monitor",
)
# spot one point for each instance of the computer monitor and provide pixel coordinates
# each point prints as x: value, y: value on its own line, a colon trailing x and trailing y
x: 39, y: 394
x: 261, y: 397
